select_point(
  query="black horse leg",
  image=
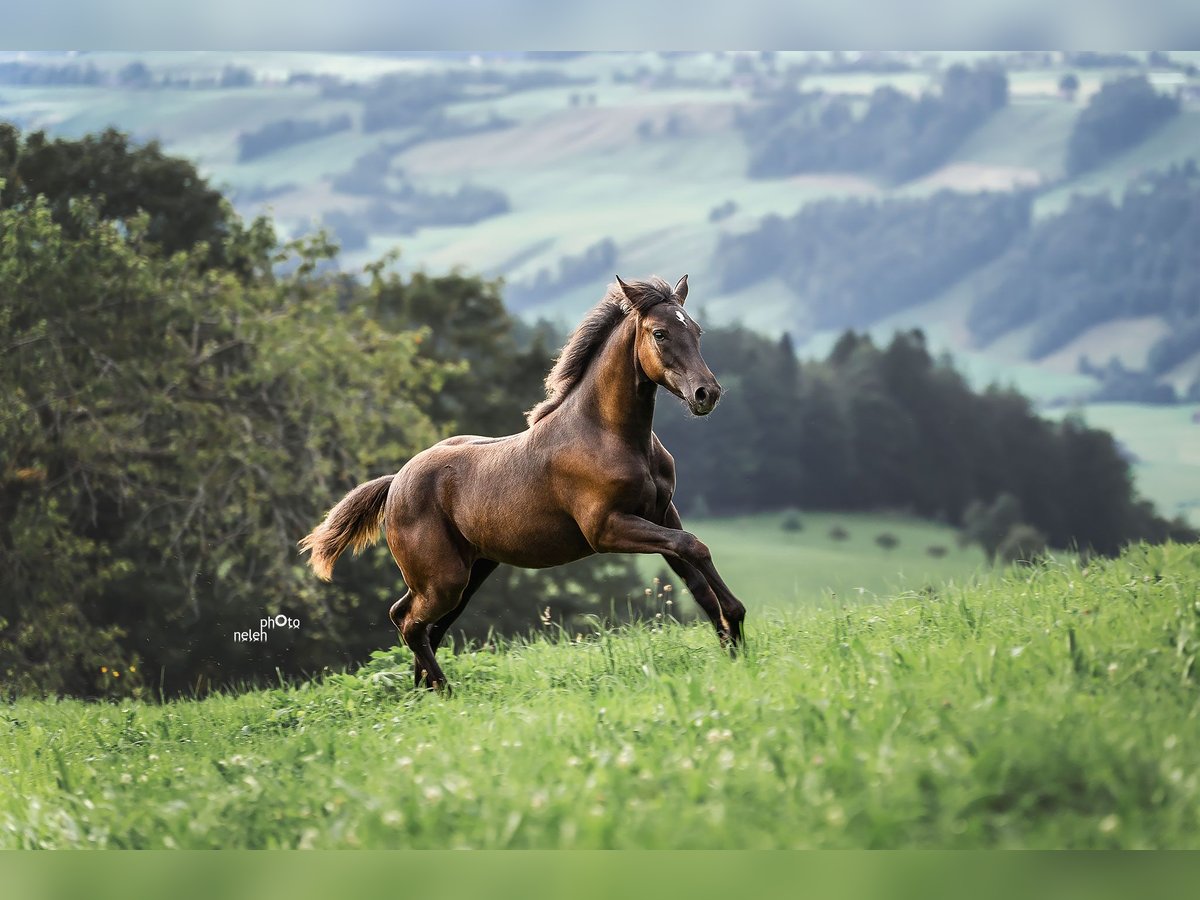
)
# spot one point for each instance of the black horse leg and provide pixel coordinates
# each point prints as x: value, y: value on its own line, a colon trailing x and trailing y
x: 703, y: 595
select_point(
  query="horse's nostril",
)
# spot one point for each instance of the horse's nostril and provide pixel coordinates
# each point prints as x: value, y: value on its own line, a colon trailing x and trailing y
x: 701, y: 395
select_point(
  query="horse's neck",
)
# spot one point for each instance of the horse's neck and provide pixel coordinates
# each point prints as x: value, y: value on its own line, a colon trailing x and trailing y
x: 616, y: 392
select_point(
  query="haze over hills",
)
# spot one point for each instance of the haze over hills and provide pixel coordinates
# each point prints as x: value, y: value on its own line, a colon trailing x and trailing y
x: 802, y: 193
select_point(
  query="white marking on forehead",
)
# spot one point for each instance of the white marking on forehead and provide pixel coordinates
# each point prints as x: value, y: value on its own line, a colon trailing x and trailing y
x: 680, y: 316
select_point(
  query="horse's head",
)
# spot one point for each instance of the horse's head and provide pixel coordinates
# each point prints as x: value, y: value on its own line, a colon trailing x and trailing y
x: 667, y: 343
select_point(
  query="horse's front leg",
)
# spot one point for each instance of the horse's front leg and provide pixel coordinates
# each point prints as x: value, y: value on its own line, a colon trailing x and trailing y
x: 699, y: 587
x: 625, y: 533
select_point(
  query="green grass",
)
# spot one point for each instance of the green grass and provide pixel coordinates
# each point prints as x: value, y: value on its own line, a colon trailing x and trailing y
x: 772, y: 568
x: 1057, y: 707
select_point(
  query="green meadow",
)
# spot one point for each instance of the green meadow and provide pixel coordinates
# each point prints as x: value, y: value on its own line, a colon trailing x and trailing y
x: 771, y: 567
x: 1053, y: 706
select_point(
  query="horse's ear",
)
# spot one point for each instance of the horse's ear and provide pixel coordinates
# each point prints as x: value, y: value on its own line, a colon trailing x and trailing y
x: 681, y: 290
x: 632, y: 297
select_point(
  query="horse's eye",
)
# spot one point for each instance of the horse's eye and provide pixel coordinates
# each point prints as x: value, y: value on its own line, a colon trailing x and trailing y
x: 659, y: 334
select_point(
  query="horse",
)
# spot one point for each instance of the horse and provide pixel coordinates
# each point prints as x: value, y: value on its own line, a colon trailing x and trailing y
x: 588, y: 475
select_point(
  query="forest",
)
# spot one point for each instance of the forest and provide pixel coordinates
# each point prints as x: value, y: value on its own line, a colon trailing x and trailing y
x: 896, y: 136
x: 852, y: 261
x: 1101, y: 260
x: 182, y: 395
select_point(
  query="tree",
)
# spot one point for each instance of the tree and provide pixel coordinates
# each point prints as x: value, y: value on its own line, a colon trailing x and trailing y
x: 182, y: 210
x: 167, y: 432
x: 1068, y: 85
x: 1022, y: 544
x: 989, y: 525
x: 1121, y: 114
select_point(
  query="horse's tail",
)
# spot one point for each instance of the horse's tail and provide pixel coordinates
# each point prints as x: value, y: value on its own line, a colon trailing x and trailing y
x: 352, y: 523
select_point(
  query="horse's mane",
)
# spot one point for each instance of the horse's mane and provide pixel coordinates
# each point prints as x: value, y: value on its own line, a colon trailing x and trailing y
x: 581, y: 347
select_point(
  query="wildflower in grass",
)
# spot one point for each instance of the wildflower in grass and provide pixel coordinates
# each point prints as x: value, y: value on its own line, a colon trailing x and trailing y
x: 1110, y: 823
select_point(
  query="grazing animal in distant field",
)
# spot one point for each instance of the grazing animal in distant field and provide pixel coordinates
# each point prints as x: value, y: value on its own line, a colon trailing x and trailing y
x: 588, y: 476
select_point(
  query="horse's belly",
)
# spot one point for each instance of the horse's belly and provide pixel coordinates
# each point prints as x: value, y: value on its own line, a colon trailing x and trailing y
x: 532, y: 542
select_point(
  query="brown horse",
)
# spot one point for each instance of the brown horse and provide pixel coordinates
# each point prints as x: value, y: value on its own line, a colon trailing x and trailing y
x: 588, y: 476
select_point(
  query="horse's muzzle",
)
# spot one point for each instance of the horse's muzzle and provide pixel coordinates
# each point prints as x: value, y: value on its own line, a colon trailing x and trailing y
x: 704, y: 399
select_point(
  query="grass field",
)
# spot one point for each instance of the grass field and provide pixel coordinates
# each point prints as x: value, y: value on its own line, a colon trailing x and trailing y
x: 771, y: 568
x: 1057, y: 707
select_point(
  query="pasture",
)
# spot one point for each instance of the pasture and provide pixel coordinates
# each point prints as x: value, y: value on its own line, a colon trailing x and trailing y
x: 779, y: 569
x: 1053, y: 707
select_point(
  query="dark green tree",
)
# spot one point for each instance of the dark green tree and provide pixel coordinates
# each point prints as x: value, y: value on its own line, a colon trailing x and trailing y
x: 181, y: 209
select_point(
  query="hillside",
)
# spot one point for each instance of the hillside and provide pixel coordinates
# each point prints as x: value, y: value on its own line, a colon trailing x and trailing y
x: 522, y: 167
x: 1054, y: 707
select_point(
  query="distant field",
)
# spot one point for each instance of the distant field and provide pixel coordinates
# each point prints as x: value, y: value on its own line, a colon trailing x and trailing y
x: 770, y: 568
x: 1054, y: 708
x: 1027, y: 134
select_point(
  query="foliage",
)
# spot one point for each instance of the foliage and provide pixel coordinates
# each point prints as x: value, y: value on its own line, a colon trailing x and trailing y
x: 30, y: 73
x: 182, y: 209
x: 401, y: 100
x: 177, y: 427
x: 851, y: 262
x: 792, y: 522
x: 1022, y: 544
x: 897, y: 136
x: 1052, y: 708
x: 887, y: 541
x: 1121, y: 385
x: 1100, y: 261
x: 285, y: 133
x: 990, y: 525
x: 1118, y: 116
x: 398, y: 206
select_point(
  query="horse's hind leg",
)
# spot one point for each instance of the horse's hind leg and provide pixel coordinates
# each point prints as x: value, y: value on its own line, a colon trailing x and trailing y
x: 479, y: 573
x: 437, y: 585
